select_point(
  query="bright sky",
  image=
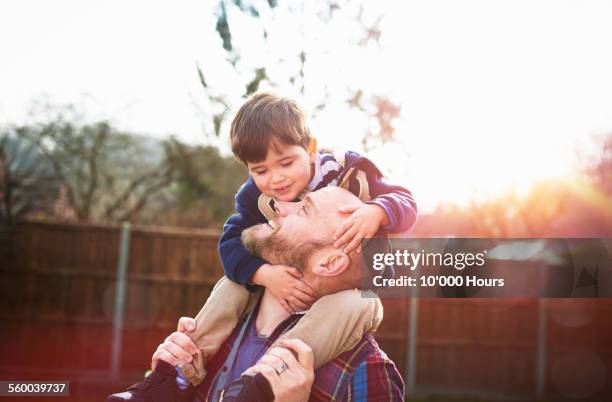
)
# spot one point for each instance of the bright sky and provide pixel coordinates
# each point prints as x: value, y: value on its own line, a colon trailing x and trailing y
x: 494, y: 94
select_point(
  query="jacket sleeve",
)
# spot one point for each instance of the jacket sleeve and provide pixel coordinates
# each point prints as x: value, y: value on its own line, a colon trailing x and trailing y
x: 239, y: 264
x: 397, y: 201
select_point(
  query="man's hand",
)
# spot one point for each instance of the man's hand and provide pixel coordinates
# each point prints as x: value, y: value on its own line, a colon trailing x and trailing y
x: 292, y: 384
x: 177, y: 347
x: 365, y: 220
x: 286, y: 286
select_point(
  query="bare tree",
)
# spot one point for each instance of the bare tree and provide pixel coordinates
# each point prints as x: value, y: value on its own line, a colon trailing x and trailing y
x: 108, y: 175
x: 367, y: 31
x: 599, y: 170
x: 27, y: 183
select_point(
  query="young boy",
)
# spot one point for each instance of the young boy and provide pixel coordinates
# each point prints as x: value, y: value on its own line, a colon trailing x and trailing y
x: 270, y: 136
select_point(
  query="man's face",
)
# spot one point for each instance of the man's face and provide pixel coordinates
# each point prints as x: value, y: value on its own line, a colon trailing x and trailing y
x: 314, y: 219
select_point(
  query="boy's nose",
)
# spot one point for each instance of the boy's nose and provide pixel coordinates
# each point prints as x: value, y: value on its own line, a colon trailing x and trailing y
x: 278, y: 178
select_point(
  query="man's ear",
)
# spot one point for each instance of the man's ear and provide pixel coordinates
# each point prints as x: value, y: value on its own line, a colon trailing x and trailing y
x: 331, y: 263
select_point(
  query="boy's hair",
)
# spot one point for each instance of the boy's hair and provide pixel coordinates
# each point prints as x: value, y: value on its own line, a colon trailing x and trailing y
x: 264, y: 121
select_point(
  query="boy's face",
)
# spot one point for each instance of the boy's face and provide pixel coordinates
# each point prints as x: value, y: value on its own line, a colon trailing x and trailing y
x: 285, y: 172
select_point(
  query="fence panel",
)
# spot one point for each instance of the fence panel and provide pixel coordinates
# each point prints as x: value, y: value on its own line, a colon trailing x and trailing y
x: 57, y: 285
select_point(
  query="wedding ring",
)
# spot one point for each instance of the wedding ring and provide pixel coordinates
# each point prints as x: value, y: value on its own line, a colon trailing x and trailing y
x: 280, y: 370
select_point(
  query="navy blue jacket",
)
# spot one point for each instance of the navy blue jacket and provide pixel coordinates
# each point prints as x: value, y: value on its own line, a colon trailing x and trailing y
x: 240, y: 265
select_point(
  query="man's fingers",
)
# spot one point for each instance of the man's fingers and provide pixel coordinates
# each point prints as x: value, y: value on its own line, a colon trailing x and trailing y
x: 286, y: 356
x: 181, y: 355
x: 271, y: 360
x: 266, y: 371
x: 184, y: 341
x: 186, y: 324
x: 303, y: 351
x: 163, y: 354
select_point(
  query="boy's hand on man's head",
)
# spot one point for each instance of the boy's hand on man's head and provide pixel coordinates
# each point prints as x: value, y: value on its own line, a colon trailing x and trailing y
x: 286, y: 285
x: 365, y: 220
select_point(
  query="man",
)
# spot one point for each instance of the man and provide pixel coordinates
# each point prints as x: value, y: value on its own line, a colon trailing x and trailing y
x: 300, y: 236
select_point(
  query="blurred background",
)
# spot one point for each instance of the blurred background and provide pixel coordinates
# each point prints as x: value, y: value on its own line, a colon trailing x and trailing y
x: 496, y: 115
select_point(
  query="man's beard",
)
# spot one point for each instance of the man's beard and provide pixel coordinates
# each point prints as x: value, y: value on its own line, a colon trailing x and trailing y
x: 277, y: 250
x: 273, y: 246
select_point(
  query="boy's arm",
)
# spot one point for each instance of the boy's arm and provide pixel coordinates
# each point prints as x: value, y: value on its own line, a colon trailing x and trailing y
x: 397, y: 202
x: 239, y: 264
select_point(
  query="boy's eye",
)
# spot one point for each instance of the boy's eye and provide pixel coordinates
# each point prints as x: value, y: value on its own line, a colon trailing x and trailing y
x: 259, y: 171
x: 286, y: 164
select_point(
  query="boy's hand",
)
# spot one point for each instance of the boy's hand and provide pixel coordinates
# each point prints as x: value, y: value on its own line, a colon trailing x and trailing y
x: 286, y: 285
x: 365, y: 220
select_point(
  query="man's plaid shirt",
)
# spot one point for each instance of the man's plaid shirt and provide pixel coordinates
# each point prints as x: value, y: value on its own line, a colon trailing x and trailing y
x: 364, y: 373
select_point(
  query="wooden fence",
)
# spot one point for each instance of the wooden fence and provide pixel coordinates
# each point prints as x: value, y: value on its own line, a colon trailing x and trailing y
x: 57, y: 285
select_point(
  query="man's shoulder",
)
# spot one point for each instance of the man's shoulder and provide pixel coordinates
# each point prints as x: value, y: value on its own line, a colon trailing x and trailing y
x: 349, y: 371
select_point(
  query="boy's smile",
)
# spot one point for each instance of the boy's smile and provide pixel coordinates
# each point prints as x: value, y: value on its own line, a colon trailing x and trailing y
x: 285, y: 172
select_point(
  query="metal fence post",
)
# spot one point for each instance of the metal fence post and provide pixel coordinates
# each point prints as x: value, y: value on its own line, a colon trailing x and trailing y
x: 120, y: 289
x: 541, y: 349
x: 411, y: 349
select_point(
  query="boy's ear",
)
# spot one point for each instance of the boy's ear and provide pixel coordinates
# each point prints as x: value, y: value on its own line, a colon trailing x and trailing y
x: 331, y: 263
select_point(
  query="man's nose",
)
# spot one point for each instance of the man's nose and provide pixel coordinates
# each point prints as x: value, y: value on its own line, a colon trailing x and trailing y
x: 284, y: 208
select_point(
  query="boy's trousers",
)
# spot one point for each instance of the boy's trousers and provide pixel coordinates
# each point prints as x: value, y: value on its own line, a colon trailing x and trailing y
x: 332, y: 325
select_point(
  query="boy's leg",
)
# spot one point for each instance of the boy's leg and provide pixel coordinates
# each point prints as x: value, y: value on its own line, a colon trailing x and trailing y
x: 335, y: 323
x: 214, y: 323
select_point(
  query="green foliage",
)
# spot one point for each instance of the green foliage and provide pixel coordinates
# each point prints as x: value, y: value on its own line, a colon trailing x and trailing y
x: 203, y: 188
